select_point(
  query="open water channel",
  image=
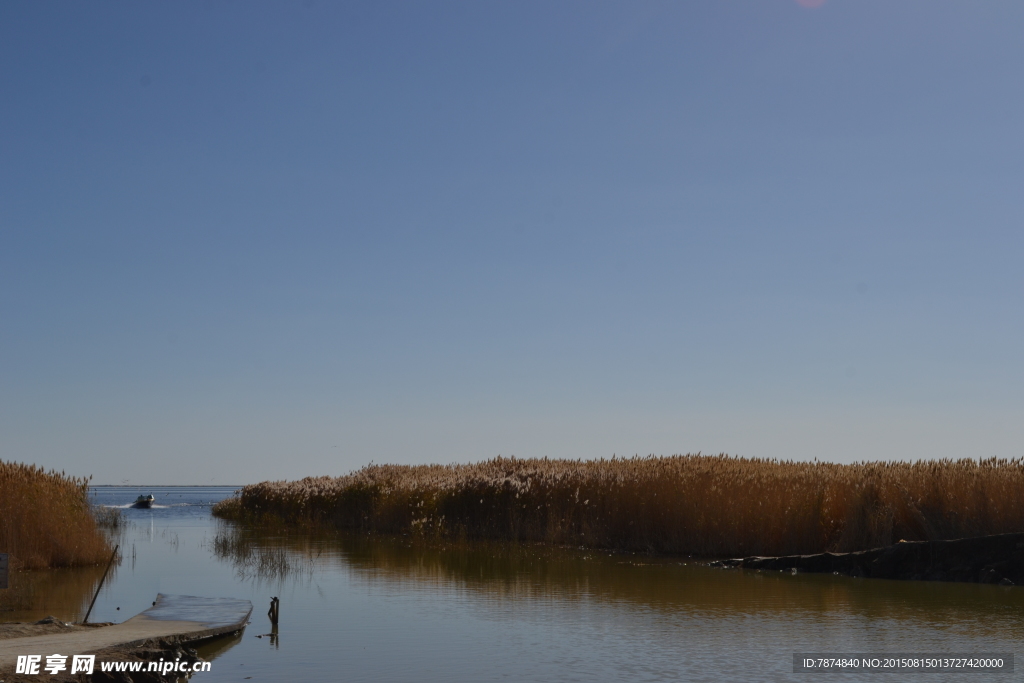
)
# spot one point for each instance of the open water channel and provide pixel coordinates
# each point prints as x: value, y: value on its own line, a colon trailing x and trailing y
x: 359, y: 609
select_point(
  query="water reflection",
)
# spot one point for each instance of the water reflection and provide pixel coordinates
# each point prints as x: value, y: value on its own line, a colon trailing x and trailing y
x: 514, y: 574
x: 211, y: 649
x: 63, y: 593
x: 385, y: 609
x: 273, y: 637
x: 262, y: 557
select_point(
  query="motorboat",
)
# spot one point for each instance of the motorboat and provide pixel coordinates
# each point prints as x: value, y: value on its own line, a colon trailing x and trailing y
x: 144, y: 501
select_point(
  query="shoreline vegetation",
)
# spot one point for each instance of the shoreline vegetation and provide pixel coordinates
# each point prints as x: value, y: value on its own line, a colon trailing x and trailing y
x: 46, y: 521
x: 997, y: 559
x: 697, y: 505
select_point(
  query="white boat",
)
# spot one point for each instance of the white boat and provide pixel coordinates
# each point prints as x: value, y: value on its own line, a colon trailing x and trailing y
x: 144, y: 501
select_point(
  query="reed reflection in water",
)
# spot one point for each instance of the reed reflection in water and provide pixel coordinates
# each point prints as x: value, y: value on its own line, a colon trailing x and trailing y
x: 674, y: 616
x: 63, y: 593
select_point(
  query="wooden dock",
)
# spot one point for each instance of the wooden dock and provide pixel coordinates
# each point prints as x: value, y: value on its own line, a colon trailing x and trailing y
x: 175, y: 619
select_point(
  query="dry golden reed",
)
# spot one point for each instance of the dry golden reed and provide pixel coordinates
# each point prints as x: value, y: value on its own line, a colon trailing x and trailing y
x: 709, y: 506
x: 45, y: 519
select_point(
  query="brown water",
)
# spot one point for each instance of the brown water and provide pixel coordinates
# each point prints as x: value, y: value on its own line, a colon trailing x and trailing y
x: 359, y: 609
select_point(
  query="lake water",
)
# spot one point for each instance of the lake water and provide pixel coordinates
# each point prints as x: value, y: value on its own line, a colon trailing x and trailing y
x: 358, y: 609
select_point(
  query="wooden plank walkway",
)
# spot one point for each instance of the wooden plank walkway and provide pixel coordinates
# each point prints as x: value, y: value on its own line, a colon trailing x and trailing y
x: 175, y: 618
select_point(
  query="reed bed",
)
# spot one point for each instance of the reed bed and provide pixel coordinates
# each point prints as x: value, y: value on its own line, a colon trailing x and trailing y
x: 707, y: 506
x: 109, y: 518
x: 45, y: 519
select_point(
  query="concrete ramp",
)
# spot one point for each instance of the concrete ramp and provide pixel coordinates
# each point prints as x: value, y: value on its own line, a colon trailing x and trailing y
x: 174, y: 618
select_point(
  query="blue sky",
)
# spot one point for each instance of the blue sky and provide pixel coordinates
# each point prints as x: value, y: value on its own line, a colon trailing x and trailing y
x: 246, y: 241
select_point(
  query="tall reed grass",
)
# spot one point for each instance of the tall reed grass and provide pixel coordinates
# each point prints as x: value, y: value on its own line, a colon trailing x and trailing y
x: 45, y: 519
x: 709, y: 506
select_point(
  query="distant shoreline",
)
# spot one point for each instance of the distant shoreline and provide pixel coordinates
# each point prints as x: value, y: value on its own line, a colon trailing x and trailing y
x: 168, y: 486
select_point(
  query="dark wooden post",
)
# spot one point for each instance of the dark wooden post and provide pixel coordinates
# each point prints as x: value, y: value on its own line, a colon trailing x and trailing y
x: 273, y: 613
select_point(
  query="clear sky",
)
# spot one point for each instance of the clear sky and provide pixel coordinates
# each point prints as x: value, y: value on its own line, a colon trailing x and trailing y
x: 244, y: 241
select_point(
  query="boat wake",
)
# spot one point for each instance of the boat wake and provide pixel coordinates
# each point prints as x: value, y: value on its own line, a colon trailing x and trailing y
x: 154, y: 506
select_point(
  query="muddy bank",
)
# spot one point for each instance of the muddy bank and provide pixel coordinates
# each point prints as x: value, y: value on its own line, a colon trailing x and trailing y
x: 986, y: 559
x: 41, y: 628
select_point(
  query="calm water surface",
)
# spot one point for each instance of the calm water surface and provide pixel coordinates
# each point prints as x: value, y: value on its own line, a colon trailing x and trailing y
x: 354, y: 609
